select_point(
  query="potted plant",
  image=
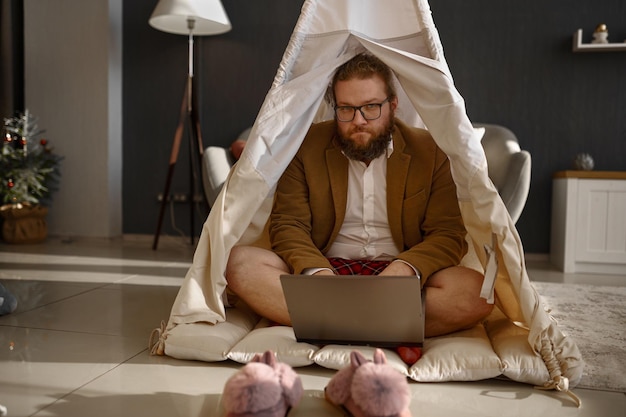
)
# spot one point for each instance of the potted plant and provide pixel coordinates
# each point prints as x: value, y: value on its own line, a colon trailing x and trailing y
x: 29, y: 173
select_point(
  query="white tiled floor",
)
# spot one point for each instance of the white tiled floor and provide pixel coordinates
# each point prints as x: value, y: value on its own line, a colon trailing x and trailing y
x: 77, y: 345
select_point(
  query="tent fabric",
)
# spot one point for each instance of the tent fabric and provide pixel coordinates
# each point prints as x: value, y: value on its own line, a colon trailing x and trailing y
x: 402, y: 34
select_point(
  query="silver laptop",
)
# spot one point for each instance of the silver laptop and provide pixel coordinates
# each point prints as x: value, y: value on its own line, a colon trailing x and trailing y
x: 356, y: 309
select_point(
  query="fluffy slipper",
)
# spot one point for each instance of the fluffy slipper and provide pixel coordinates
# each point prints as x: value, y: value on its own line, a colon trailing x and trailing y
x: 262, y: 388
x: 370, y: 389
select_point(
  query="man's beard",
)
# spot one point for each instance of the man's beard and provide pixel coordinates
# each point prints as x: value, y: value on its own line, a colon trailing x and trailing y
x: 372, y: 150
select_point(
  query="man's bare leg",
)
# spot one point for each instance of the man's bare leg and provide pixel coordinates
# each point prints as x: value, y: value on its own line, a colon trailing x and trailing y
x: 453, y: 301
x: 254, y: 275
x: 452, y: 295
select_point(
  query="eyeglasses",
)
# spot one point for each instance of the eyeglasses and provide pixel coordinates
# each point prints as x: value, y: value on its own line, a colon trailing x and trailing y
x: 370, y: 111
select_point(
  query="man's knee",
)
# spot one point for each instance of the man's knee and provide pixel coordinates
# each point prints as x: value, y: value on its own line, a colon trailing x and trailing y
x: 246, y: 260
x: 236, y: 257
x: 456, y: 277
x: 479, y: 306
x: 465, y: 283
x: 237, y: 263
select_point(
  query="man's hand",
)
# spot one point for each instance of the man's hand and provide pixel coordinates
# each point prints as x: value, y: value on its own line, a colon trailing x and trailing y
x: 397, y: 268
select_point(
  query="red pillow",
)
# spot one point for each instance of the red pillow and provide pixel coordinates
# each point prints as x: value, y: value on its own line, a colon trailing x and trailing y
x: 236, y: 148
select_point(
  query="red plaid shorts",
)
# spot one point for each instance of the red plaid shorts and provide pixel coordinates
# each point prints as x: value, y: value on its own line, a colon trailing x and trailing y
x: 357, y: 266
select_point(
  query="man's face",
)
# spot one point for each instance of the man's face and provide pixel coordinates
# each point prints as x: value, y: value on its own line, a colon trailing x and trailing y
x: 360, y: 134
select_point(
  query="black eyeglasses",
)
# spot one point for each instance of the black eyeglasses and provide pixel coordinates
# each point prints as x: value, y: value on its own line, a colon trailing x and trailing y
x: 370, y: 111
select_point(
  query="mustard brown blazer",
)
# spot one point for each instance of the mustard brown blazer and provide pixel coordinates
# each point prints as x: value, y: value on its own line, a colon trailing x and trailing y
x: 422, y: 206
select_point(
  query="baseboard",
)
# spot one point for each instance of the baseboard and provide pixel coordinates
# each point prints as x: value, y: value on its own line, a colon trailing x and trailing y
x: 537, y: 257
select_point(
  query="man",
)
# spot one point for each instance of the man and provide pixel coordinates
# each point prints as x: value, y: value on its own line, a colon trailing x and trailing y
x: 365, y: 194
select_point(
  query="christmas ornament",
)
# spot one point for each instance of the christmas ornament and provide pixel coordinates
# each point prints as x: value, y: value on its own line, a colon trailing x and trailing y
x: 29, y: 170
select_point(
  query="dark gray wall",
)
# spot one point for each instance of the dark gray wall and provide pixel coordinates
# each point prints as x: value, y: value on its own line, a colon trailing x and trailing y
x: 234, y: 73
x: 512, y: 62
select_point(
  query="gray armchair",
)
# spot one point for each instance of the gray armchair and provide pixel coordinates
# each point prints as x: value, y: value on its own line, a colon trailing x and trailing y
x: 509, y: 167
x: 216, y: 164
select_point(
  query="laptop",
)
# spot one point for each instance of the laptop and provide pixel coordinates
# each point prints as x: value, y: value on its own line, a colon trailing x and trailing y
x: 356, y: 309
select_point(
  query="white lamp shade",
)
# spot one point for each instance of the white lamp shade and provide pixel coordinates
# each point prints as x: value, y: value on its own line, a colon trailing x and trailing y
x: 209, y: 16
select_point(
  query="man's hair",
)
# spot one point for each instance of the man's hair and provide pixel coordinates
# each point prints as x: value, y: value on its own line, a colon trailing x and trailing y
x: 361, y: 67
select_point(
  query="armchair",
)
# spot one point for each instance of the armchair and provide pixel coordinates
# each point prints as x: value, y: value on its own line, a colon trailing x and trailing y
x: 508, y: 167
x: 216, y: 164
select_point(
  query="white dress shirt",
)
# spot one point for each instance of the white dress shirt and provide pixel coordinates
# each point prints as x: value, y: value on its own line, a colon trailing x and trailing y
x: 365, y: 232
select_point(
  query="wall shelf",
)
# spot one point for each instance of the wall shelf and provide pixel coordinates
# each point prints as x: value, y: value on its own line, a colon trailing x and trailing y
x: 579, y: 46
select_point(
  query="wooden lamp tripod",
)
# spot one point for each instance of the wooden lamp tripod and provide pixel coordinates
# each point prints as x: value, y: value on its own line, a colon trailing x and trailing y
x: 187, y: 17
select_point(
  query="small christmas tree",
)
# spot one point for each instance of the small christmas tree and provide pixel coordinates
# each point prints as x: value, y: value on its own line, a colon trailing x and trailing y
x: 29, y: 170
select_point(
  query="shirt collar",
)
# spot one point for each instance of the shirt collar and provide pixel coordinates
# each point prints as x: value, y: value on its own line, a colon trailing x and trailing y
x: 390, y: 147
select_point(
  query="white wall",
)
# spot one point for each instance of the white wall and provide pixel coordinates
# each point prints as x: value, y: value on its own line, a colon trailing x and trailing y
x: 73, y: 83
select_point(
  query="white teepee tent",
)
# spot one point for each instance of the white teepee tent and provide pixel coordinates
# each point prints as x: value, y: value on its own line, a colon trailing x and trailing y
x: 403, y: 35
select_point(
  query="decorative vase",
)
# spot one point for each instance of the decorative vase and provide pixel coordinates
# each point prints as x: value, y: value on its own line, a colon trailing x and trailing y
x: 583, y: 162
x: 24, y: 223
x: 601, y: 34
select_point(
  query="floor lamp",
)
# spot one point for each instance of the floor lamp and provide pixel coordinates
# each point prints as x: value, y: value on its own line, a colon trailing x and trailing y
x: 187, y: 17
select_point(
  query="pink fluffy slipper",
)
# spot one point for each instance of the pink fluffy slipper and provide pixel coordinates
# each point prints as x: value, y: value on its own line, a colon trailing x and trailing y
x: 262, y: 388
x: 370, y: 389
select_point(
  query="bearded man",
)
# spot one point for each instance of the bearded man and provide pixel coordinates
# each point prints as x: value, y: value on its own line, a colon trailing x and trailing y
x: 365, y: 195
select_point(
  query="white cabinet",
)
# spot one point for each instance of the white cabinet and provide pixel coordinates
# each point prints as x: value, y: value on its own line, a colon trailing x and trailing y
x: 589, y: 221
